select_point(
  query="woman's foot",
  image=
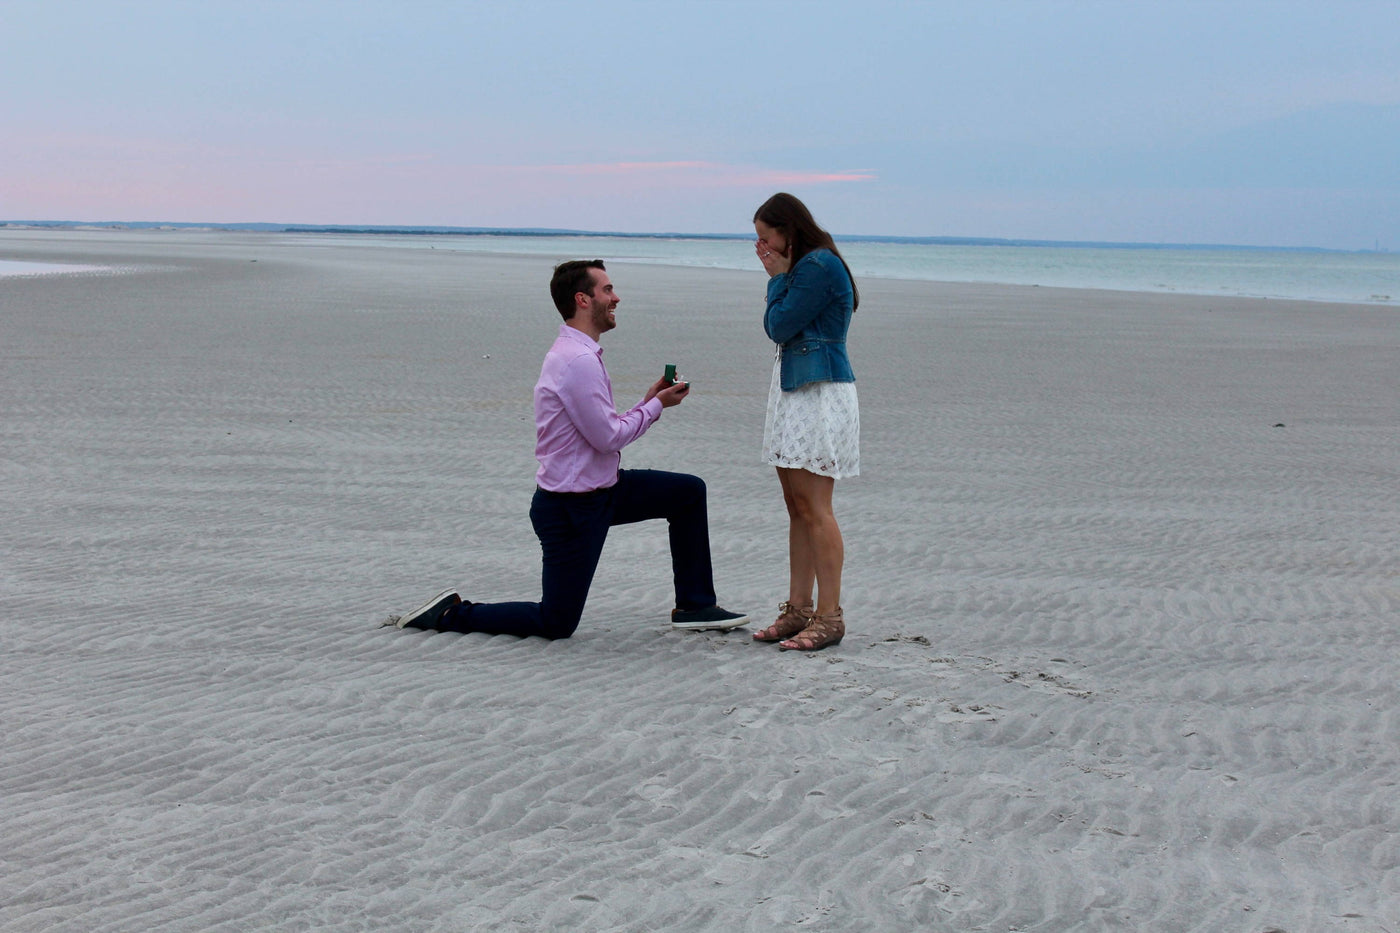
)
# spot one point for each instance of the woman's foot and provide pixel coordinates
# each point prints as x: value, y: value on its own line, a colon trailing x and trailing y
x: 823, y: 631
x: 791, y: 620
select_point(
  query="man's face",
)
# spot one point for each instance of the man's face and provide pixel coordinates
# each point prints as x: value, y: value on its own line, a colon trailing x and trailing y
x: 602, y: 302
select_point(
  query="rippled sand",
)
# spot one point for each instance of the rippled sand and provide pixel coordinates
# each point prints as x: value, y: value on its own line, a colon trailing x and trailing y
x: 1122, y: 582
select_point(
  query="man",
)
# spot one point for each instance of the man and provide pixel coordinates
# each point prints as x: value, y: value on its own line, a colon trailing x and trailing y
x: 581, y: 491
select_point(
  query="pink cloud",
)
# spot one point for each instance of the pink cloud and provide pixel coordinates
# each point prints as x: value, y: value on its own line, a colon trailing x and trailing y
x: 57, y: 175
x: 701, y: 174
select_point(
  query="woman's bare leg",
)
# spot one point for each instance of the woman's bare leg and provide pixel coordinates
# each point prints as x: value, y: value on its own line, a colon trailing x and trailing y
x: 816, y: 551
x: 802, y: 562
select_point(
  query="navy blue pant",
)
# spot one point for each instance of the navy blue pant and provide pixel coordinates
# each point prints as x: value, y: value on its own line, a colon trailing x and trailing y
x: 572, y: 528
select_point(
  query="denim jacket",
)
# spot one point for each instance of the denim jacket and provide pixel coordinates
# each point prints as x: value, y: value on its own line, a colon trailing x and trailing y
x: 809, y: 311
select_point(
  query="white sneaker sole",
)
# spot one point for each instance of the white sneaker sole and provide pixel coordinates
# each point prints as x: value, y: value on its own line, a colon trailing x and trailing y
x: 710, y: 626
x: 424, y: 609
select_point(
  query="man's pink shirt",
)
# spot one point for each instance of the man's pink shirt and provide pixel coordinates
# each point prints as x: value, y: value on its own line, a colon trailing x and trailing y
x: 579, y: 434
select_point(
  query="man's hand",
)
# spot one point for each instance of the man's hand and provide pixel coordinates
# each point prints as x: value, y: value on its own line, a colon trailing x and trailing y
x: 670, y: 395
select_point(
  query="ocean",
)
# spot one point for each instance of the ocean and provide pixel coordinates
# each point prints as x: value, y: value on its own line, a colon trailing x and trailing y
x: 1313, y: 275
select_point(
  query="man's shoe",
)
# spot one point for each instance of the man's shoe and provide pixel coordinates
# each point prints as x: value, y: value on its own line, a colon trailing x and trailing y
x: 428, y: 614
x: 712, y: 619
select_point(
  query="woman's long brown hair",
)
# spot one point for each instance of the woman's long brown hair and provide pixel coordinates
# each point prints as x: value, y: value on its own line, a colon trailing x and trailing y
x: 790, y: 217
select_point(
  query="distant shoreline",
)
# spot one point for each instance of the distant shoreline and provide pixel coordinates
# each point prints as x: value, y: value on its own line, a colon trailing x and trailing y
x: 392, y: 230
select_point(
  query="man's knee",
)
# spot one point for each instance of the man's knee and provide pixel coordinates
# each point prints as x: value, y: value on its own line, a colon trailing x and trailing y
x: 690, y: 487
x: 557, y: 625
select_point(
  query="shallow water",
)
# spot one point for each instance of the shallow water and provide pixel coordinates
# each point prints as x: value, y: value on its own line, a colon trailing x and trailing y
x: 12, y: 267
x: 1368, y: 278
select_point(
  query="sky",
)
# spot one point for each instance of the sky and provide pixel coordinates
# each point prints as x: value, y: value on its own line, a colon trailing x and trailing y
x: 1273, y: 123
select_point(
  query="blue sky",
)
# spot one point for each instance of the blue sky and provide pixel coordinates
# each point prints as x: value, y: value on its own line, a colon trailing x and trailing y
x: 1254, y: 123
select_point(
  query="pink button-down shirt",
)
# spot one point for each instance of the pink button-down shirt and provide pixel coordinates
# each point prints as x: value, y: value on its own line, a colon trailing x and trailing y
x: 579, y: 434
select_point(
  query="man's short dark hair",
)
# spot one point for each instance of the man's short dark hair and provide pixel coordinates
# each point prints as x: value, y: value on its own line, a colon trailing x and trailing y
x: 570, y: 278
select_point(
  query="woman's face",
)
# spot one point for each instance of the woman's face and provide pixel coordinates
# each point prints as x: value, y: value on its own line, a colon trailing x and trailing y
x: 771, y: 238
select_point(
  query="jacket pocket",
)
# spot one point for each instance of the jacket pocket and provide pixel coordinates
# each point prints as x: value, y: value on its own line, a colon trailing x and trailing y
x: 805, y: 361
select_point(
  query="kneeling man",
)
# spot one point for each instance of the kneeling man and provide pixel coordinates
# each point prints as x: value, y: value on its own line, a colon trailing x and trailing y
x: 581, y: 490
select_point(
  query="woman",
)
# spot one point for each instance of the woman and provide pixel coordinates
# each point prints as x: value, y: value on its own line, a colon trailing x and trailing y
x: 812, y: 434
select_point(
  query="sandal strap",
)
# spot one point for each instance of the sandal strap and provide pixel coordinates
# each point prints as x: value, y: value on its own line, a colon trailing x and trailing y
x: 791, y: 620
x: 825, y: 629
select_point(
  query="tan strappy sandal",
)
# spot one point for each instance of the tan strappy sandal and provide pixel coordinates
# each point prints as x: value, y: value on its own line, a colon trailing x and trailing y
x: 823, y: 631
x: 791, y: 620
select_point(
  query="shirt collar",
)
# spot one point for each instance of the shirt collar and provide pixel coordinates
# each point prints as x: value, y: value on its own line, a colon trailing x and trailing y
x: 573, y: 333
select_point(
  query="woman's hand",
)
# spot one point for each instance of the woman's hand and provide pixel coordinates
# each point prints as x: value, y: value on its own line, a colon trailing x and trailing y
x: 774, y: 262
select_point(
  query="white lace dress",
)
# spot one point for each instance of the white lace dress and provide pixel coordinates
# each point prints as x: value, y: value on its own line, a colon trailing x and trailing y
x: 814, y: 428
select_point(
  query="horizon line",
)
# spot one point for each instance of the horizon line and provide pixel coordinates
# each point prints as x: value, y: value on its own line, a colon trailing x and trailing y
x: 447, y: 230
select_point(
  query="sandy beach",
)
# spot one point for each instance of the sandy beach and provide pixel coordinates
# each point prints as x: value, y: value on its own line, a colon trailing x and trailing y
x: 1122, y: 586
